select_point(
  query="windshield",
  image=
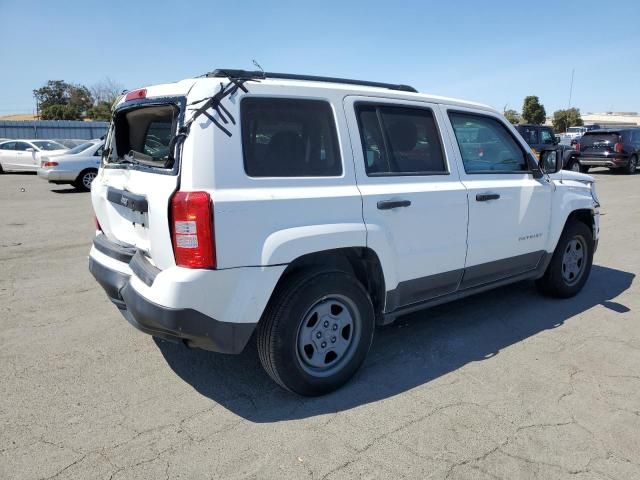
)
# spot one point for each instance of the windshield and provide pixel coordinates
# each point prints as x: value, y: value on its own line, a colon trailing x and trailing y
x: 81, y: 148
x: 143, y: 135
x: 49, y: 145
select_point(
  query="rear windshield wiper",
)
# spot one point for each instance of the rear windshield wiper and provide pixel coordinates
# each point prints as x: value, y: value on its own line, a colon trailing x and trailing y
x: 214, y: 103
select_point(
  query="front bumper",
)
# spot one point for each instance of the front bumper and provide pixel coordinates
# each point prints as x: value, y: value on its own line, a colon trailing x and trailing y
x: 174, y: 324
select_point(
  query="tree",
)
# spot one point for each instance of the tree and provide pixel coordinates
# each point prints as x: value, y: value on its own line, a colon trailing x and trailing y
x: 512, y: 116
x: 533, y: 111
x: 58, y: 93
x: 101, y: 111
x: 106, y: 91
x: 60, y: 112
x: 563, y: 119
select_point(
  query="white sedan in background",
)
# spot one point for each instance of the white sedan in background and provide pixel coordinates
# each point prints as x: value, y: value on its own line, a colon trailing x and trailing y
x: 77, y: 167
x: 25, y: 155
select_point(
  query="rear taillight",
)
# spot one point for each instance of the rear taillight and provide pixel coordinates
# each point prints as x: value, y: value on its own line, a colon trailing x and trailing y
x: 618, y: 147
x: 577, y: 147
x: 136, y: 94
x: 49, y: 164
x: 192, y: 230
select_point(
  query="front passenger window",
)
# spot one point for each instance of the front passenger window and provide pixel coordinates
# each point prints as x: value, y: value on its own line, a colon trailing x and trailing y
x: 486, y: 145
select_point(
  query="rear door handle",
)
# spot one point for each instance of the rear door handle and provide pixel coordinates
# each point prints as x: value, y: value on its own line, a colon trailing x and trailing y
x: 389, y: 204
x: 485, y: 197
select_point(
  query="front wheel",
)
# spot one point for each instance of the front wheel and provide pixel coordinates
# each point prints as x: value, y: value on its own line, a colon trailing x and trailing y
x: 570, y: 265
x: 316, y: 331
x: 584, y: 169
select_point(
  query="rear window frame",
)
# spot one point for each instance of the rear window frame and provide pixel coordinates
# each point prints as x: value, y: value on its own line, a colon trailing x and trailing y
x: 179, y: 102
x: 335, y: 134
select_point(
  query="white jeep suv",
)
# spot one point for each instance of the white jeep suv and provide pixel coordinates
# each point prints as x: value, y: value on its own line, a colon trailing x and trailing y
x: 311, y: 209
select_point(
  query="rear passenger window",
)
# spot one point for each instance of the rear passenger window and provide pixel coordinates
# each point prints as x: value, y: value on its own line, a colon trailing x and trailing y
x: 530, y: 135
x: 400, y: 140
x: 486, y: 145
x: 289, y: 138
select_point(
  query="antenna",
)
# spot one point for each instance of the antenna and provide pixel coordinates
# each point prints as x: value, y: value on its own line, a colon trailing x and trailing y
x: 573, y: 70
x: 257, y: 65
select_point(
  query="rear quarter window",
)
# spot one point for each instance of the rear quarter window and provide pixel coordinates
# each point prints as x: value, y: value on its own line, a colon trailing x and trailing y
x: 289, y: 138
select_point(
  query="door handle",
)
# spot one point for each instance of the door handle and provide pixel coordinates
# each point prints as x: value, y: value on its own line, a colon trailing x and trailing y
x: 485, y: 197
x: 389, y: 204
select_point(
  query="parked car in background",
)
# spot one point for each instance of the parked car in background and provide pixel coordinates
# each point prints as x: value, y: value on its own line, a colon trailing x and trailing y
x: 617, y: 149
x: 317, y: 208
x: 541, y: 137
x: 25, y: 155
x: 78, y: 166
x: 72, y: 143
x: 573, y: 134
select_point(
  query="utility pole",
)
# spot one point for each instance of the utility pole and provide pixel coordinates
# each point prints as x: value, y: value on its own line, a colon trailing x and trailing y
x: 573, y: 71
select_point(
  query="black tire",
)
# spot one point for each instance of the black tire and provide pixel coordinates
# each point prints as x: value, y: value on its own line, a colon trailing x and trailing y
x: 280, y: 330
x: 633, y: 165
x: 573, y: 165
x: 584, y: 169
x: 1, y: 170
x: 554, y: 282
x: 81, y: 182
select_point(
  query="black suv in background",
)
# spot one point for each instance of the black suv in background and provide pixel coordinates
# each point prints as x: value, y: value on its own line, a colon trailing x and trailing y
x: 540, y: 137
x: 617, y: 149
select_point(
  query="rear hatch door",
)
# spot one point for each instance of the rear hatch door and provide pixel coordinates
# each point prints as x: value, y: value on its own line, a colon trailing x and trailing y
x: 138, y: 176
x: 598, y: 143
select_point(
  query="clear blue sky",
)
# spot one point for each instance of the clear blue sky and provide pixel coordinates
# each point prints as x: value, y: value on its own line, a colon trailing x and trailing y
x: 495, y: 52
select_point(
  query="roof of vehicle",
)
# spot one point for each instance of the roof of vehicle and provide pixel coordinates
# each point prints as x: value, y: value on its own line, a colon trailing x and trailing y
x: 348, y: 86
x: 608, y: 130
x: 531, y: 125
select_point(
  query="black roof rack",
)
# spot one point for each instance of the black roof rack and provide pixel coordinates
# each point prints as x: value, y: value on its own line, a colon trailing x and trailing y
x: 234, y: 73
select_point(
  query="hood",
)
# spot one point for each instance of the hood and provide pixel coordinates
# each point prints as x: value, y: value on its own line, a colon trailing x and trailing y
x: 575, y: 176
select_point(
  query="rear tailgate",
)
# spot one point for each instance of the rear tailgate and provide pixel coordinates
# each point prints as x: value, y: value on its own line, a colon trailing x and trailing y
x: 133, y: 189
x: 598, y: 143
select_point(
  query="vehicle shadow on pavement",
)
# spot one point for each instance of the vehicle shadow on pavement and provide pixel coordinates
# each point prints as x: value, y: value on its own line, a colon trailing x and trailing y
x: 67, y: 190
x: 415, y: 350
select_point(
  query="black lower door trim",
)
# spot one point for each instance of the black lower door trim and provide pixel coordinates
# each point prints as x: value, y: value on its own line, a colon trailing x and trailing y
x: 419, y: 289
x: 425, y: 292
x: 496, y: 270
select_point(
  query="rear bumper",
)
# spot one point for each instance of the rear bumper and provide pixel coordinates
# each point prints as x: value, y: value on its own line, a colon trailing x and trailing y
x: 175, y: 324
x: 604, y: 161
x: 57, y: 176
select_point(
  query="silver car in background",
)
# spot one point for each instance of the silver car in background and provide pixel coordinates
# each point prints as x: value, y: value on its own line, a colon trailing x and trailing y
x: 78, y: 166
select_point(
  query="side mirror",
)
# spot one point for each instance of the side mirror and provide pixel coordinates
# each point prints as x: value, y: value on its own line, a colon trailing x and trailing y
x: 30, y: 150
x: 556, y: 139
x: 550, y: 161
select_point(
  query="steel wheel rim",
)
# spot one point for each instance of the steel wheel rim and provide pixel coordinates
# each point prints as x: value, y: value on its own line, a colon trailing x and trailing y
x: 87, y: 178
x: 575, y: 167
x: 328, y: 335
x: 633, y: 163
x: 574, y: 260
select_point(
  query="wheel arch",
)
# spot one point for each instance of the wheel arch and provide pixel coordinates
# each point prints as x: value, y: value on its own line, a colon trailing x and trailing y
x: 361, y: 262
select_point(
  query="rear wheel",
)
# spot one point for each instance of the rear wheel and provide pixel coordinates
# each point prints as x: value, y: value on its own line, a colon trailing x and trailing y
x: 633, y: 164
x: 83, y: 182
x: 584, y: 169
x: 316, y: 331
x: 570, y: 265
